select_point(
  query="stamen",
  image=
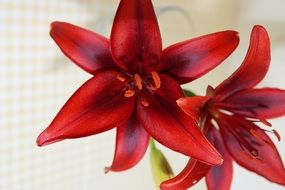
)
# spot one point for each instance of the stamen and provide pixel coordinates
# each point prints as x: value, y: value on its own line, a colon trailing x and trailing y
x: 244, y: 143
x: 226, y: 112
x: 156, y: 79
x: 144, y: 102
x: 270, y: 131
x: 138, y: 81
x: 253, y: 133
x: 277, y: 135
x: 265, y: 122
x: 254, y: 153
x: 129, y: 93
x: 121, y: 78
x: 258, y: 136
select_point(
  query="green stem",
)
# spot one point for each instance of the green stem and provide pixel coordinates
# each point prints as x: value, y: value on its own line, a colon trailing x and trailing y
x: 152, y: 144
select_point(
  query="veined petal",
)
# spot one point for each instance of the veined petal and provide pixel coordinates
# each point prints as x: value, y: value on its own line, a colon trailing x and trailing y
x: 190, y: 175
x: 135, y: 38
x: 88, y: 50
x: 170, y: 126
x: 220, y: 177
x: 188, y: 60
x: 262, y: 157
x: 193, y: 105
x: 97, y: 106
x: 264, y: 103
x: 131, y: 144
x: 253, y: 68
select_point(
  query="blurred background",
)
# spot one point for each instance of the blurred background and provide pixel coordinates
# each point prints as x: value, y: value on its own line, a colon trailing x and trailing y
x: 36, y: 79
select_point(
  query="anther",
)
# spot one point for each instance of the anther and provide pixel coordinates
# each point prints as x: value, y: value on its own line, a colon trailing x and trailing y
x: 144, y: 102
x: 138, y: 81
x: 254, y: 153
x: 129, y: 93
x: 121, y: 78
x: 253, y: 132
x: 277, y: 135
x: 265, y: 122
x: 156, y: 79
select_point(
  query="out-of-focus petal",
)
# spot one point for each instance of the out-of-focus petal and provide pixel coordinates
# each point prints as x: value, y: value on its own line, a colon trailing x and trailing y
x: 135, y: 37
x: 170, y: 126
x: 253, y: 68
x: 160, y: 167
x: 220, y: 177
x: 193, y: 105
x: 97, y: 106
x: 88, y: 50
x: 188, y: 60
x: 263, y: 103
x: 131, y: 143
x: 190, y: 175
x: 254, y: 151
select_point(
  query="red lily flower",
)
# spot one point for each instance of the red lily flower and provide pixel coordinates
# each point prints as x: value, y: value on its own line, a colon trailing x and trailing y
x: 235, y: 106
x: 135, y: 85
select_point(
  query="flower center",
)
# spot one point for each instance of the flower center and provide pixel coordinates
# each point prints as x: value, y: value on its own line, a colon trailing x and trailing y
x: 140, y: 85
x: 243, y: 129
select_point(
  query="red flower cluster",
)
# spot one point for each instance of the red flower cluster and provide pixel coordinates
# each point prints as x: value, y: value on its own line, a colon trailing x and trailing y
x: 136, y: 84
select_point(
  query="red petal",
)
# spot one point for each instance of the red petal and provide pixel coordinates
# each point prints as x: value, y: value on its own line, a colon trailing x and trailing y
x: 220, y: 177
x: 88, y: 50
x: 263, y: 103
x: 190, y: 175
x: 253, y: 68
x: 193, y: 105
x: 131, y: 144
x: 97, y: 106
x: 267, y: 162
x: 170, y: 126
x: 188, y: 60
x: 135, y: 37
x: 195, y: 170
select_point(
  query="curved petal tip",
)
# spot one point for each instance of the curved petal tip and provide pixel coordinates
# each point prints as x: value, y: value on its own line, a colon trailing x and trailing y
x: 44, y: 139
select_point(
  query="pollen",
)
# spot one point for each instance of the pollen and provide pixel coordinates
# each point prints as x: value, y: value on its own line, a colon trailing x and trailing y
x: 277, y: 135
x: 156, y: 79
x: 144, y: 102
x: 265, y: 122
x: 253, y: 132
x: 129, y: 93
x: 121, y: 78
x: 254, y: 153
x: 138, y: 81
